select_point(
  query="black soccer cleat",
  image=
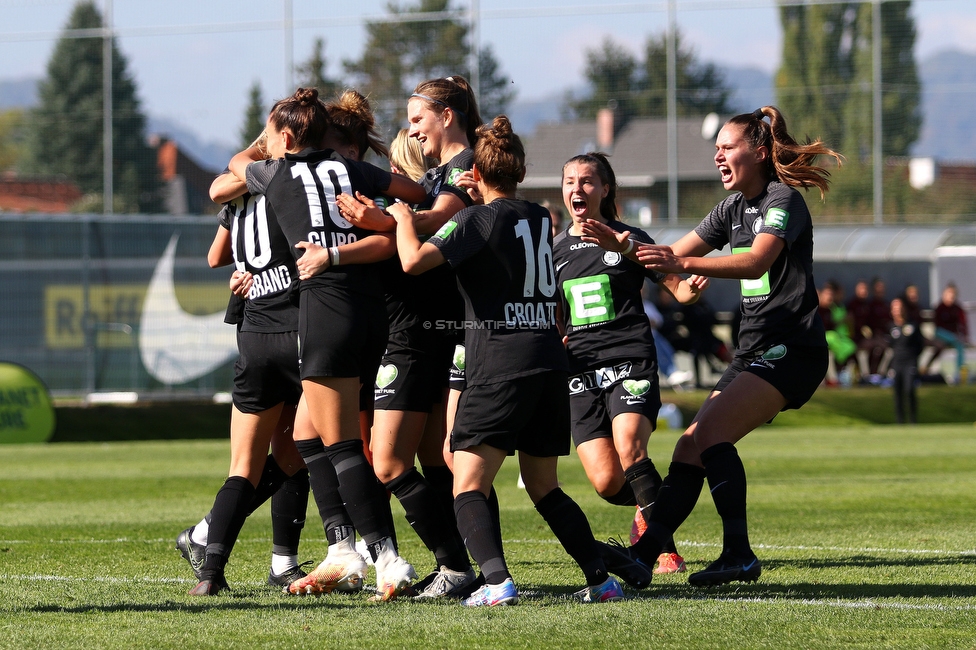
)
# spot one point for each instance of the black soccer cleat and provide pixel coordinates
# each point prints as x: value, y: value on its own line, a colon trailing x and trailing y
x: 192, y: 552
x: 210, y: 587
x: 289, y: 576
x: 623, y: 562
x: 726, y: 569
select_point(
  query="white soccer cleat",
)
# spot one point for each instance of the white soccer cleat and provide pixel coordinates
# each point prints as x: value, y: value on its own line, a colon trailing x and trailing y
x: 340, y: 571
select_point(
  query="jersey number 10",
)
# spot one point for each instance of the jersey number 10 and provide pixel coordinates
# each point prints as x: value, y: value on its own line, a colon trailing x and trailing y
x: 327, y: 179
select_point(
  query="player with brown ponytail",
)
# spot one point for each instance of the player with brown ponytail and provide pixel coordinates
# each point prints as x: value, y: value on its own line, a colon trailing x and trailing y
x: 516, y: 397
x: 781, y: 355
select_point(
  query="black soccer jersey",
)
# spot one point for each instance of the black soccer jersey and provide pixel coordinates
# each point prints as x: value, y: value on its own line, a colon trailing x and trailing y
x: 301, y: 192
x: 260, y: 248
x: 439, y: 180
x: 780, y: 306
x: 434, y: 296
x: 599, y: 292
x: 502, y: 254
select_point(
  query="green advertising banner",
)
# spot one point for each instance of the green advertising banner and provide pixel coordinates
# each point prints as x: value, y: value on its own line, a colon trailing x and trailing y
x: 26, y: 411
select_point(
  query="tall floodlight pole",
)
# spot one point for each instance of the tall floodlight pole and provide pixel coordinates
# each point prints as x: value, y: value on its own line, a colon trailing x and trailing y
x: 474, y: 63
x: 672, y: 113
x: 288, y: 34
x: 877, y: 131
x: 107, y: 161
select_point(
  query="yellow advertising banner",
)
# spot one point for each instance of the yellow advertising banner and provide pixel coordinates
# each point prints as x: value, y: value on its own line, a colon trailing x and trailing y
x: 116, y: 310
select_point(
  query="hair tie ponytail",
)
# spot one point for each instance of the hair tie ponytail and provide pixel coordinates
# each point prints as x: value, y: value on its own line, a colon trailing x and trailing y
x: 758, y: 114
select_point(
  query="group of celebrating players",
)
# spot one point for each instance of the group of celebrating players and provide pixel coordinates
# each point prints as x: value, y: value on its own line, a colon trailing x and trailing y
x: 343, y: 272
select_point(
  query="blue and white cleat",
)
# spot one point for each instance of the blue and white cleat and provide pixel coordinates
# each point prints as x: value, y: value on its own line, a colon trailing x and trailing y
x: 491, y: 595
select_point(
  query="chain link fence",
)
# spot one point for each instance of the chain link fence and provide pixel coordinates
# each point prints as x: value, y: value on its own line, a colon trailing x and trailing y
x: 652, y: 89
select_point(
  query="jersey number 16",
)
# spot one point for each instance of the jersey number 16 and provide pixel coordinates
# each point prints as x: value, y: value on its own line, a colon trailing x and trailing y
x: 540, y: 260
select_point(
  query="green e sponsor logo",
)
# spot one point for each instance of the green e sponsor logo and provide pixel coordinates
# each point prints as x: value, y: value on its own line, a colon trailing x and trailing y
x: 757, y: 287
x: 590, y: 300
x: 446, y: 230
x: 453, y: 175
x: 777, y: 218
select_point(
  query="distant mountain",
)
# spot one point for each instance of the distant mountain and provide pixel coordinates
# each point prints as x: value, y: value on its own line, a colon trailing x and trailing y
x: 18, y: 93
x: 527, y: 115
x: 751, y: 88
x: 948, y: 106
x: 209, y: 155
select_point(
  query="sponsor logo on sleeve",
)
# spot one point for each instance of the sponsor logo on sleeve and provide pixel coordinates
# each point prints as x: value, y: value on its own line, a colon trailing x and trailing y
x: 453, y: 175
x: 446, y: 230
x: 777, y: 218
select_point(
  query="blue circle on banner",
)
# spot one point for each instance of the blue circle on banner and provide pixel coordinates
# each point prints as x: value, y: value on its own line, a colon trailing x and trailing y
x: 26, y: 410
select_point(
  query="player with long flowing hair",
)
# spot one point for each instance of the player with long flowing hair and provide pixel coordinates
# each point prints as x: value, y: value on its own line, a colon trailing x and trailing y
x: 781, y: 355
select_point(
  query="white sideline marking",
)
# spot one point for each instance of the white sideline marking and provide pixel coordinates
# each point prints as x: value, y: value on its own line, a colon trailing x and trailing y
x: 857, y: 604
x: 108, y: 579
x: 776, y: 547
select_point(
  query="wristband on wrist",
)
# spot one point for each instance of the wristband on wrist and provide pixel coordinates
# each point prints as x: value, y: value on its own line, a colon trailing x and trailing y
x: 334, y: 256
x: 630, y: 247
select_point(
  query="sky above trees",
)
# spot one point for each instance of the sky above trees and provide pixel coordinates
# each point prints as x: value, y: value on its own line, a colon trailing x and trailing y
x: 195, y: 62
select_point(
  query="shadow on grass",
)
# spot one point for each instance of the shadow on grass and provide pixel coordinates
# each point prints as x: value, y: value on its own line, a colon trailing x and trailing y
x: 241, y: 601
x: 869, y: 561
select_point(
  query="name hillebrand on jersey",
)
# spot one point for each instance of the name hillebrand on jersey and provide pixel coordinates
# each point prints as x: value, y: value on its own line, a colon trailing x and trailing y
x: 270, y: 281
x: 599, y: 378
x: 530, y: 313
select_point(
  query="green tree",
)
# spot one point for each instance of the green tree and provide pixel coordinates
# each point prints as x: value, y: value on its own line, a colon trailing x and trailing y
x: 639, y: 88
x: 12, y: 125
x: 399, y: 55
x: 610, y: 72
x: 255, y: 116
x: 825, y: 83
x: 312, y: 72
x: 65, y: 135
x: 700, y: 88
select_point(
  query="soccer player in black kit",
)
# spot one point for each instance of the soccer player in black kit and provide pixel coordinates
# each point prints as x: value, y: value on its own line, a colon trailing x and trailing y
x: 613, y: 383
x: 342, y: 317
x: 412, y: 405
x: 782, y: 351
x: 266, y: 392
x: 516, y: 397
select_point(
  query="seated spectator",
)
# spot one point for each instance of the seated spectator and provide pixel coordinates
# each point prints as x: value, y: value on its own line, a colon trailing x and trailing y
x: 950, y: 329
x: 857, y: 310
x: 873, y: 339
x: 906, y: 341
x: 834, y: 317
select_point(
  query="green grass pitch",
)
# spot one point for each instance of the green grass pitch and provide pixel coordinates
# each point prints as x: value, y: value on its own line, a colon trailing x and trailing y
x: 866, y: 535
